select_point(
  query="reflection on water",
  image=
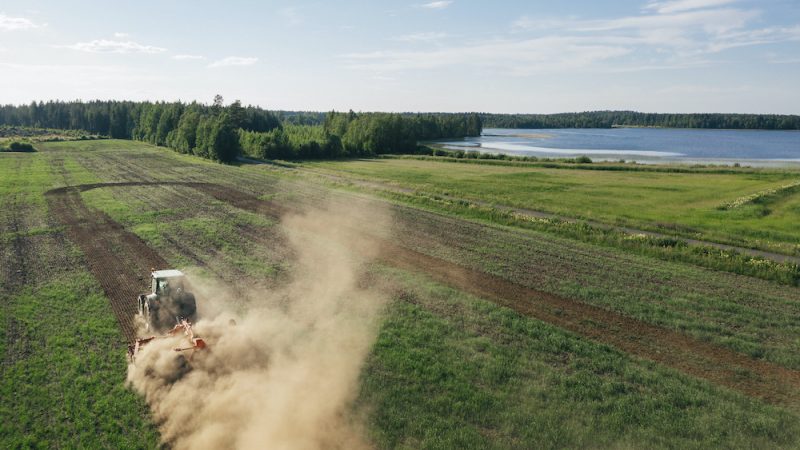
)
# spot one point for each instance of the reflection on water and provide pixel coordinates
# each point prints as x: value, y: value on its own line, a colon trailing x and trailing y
x: 647, y: 145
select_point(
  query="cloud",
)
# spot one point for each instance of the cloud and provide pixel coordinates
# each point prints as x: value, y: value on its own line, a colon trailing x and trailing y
x: 234, y: 61
x: 420, y: 37
x: 514, y: 57
x: 664, y: 35
x: 119, y: 35
x: 684, y: 28
x: 685, y: 5
x: 709, y: 21
x: 188, y: 57
x: 528, y: 24
x: 762, y: 36
x: 16, y: 23
x: 114, y: 46
x: 442, y: 4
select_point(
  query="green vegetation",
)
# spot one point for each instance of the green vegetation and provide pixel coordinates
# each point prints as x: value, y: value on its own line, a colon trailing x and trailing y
x: 453, y: 371
x: 221, y: 133
x: 16, y: 146
x: 685, y: 204
x: 63, y: 364
x: 609, y: 119
x: 31, y: 134
x: 483, y: 157
x: 448, y: 369
x: 64, y: 371
x: 665, y: 248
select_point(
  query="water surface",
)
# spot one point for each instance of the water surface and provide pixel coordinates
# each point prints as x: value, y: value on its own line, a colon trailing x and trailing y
x: 647, y: 145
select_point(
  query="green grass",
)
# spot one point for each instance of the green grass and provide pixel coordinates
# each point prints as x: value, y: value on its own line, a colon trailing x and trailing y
x: 214, y: 231
x: 63, y: 363
x: 448, y: 370
x: 687, y: 203
x: 64, y: 371
x: 665, y: 248
x: 454, y: 371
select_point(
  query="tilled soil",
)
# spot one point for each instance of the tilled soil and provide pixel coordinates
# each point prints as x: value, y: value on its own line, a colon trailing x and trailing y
x: 118, y: 259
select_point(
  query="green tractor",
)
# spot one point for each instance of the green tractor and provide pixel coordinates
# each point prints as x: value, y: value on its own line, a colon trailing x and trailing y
x: 169, y: 303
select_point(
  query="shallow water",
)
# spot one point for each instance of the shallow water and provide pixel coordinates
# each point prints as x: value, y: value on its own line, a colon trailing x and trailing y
x: 648, y: 145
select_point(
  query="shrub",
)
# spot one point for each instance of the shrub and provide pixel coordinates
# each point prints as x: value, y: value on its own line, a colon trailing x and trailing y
x: 20, y: 147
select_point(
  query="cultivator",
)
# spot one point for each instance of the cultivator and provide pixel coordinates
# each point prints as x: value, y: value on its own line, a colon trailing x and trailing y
x: 192, y: 343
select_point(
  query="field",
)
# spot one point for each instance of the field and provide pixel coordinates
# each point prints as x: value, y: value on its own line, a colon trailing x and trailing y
x: 495, y: 336
x: 688, y: 204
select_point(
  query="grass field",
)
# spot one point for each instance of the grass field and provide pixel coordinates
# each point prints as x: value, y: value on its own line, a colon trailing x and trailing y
x: 449, y: 368
x: 685, y: 203
x: 63, y: 354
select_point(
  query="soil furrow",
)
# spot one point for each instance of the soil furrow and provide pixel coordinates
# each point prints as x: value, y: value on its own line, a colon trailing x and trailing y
x: 711, y: 362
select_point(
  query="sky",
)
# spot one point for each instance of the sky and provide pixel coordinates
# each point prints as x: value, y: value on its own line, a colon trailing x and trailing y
x: 446, y: 55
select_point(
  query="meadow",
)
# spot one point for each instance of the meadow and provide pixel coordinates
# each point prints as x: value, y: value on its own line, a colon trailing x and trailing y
x: 689, y: 203
x: 450, y: 368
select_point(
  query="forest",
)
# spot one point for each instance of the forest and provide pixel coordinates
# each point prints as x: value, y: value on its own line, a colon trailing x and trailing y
x: 222, y: 133
x: 610, y: 119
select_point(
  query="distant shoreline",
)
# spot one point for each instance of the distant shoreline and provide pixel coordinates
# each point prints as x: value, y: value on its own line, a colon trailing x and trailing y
x: 613, y: 127
x: 523, y: 135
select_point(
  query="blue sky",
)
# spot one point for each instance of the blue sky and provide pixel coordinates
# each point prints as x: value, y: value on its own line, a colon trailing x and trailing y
x: 515, y: 56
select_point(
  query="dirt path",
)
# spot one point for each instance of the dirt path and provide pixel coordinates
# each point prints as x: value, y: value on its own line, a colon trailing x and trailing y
x: 118, y: 259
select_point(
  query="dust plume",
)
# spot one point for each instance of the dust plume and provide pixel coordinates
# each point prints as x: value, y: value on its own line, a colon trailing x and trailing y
x: 286, y: 373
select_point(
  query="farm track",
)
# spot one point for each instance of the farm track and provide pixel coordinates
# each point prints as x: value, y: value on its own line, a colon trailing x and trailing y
x: 119, y: 272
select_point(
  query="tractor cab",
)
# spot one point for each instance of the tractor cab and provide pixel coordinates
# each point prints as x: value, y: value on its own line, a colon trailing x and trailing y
x: 168, y: 301
x: 166, y: 282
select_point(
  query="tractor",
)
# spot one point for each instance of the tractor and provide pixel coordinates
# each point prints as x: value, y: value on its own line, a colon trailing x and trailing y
x: 169, y: 307
x: 169, y: 303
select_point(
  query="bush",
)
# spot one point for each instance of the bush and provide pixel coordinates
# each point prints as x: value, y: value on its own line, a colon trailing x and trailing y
x: 20, y: 147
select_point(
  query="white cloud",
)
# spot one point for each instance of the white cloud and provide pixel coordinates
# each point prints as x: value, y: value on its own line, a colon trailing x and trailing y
x: 683, y: 28
x: 188, y: 57
x: 442, y: 4
x: 685, y: 5
x: 673, y: 35
x: 114, y: 46
x: 16, y: 23
x: 762, y: 36
x: 421, y: 37
x: 233, y: 61
x: 514, y: 57
x: 711, y: 21
x: 119, y: 35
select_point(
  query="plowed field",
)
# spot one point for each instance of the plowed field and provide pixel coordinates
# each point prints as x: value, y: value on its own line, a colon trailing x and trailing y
x: 118, y: 258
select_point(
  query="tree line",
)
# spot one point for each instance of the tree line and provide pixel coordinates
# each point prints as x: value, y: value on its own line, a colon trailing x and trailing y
x: 222, y: 133
x: 610, y: 119
x: 357, y: 134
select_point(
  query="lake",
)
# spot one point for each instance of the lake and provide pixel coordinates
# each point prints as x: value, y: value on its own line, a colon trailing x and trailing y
x: 646, y: 145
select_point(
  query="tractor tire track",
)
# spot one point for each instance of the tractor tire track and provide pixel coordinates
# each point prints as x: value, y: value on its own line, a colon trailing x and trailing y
x: 93, y: 230
x: 116, y: 257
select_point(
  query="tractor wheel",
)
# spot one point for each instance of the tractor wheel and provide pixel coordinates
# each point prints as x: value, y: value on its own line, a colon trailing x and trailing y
x: 140, y: 305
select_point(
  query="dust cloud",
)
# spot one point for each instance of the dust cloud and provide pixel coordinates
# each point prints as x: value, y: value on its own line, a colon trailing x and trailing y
x: 285, y: 374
